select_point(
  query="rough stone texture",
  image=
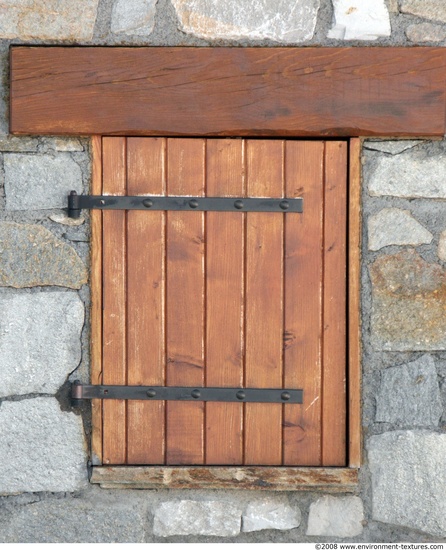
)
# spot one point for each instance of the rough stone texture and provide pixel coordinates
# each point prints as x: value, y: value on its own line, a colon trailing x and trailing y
x: 410, y: 395
x: 395, y: 226
x: 360, y: 20
x: 65, y: 220
x: 442, y: 246
x: 336, y: 517
x: 408, y: 178
x: 134, y: 17
x: 189, y: 517
x: 67, y: 144
x: 43, y: 448
x: 429, y: 9
x: 34, y: 182
x: 30, y: 255
x: 39, y: 341
x: 408, y: 303
x: 270, y: 513
x: 409, y: 175
x: 75, y: 520
x: 16, y: 144
x: 281, y: 20
x: 393, y: 6
x: 49, y: 20
x: 392, y: 147
x: 409, y: 479
x: 426, y: 32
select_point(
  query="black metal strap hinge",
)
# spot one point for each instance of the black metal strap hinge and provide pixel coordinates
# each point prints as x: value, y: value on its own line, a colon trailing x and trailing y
x: 173, y: 393
x: 76, y: 203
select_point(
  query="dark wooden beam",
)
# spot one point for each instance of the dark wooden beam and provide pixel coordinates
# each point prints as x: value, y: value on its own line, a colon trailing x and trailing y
x: 228, y: 91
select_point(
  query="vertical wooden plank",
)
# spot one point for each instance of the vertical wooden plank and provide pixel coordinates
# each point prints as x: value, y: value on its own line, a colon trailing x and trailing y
x: 114, y: 301
x: 96, y: 301
x: 185, y: 302
x: 264, y: 311
x: 145, y: 300
x: 303, y: 302
x: 334, y: 306
x: 354, y: 323
x: 224, y: 301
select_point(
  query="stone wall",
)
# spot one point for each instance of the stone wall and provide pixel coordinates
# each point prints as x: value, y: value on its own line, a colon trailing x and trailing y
x: 44, y: 297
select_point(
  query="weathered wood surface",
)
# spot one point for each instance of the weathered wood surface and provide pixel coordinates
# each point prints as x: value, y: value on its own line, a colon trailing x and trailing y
x: 354, y: 305
x: 256, y: 478
x: 228, y: 91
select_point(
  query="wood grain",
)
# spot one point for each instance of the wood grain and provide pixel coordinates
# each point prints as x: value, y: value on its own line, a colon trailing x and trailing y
x: 228, y: 91
x: 354, y: 305
x: 114, y: 360
x: 145, y: 300
x: 264, y: 302
x: 96, y: 301
x: 334, y: 306
x: 330, y: 480
x: 224, y: 300
x: 303, y: 302
x: 227, y: 299
x: 185, y: 302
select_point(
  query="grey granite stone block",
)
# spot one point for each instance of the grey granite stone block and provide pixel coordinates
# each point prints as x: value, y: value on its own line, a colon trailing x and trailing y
x: 428, y: 9
x: 134, y: 17
x: 409, y: 174
x: 442, y: 246
x: 280, y: 20
x: 34, y: 182
x: 190, y: 517
x: 409, y: 479
x: 396, y: 226
x: 39, y: 341
x: 336, y: 517
x: 409, y: 395
x: 270, y: 513
x: 97, y: 519
x: 43, y: 448
x: 30, y: 255
x: 426, y: 32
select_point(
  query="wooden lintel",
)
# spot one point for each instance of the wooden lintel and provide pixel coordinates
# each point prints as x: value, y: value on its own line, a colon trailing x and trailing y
x: 286, y: 92
x: 234, y: 477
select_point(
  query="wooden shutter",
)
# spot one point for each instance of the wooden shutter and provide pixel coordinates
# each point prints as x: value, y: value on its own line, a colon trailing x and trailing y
x: 224, y: 299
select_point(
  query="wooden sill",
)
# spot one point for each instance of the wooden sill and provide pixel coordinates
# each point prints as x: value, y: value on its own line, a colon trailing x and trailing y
x: 339, y: 480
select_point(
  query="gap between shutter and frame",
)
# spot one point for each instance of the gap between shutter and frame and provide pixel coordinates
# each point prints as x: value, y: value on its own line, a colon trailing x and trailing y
x: 276, y: 478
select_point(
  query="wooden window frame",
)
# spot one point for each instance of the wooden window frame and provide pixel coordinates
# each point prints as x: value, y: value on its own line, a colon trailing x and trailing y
x: 316, y: 92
